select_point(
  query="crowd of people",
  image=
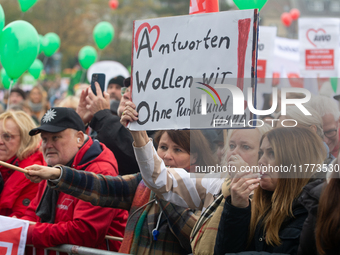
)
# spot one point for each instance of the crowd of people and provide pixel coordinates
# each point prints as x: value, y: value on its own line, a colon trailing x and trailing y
x: 89, y: 177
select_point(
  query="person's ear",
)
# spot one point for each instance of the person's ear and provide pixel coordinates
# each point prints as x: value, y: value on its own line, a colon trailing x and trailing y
x: 193, y: 158
x: 313, y: 127
x: 80, y: 138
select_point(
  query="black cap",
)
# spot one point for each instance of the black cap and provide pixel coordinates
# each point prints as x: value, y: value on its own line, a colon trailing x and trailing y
x: 117, y: 80
x: 58, y: 119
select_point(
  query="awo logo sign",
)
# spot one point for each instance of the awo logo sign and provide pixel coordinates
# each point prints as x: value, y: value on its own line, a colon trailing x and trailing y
x: 65, y: 204
x: 316, y: 36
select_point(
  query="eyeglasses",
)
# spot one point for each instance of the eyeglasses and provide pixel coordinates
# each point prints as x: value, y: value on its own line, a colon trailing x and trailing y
x: 6, y: 137
x: 331, y: 133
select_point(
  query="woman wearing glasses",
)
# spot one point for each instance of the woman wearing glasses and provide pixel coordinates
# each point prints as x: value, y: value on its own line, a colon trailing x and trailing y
x: 19, y: 149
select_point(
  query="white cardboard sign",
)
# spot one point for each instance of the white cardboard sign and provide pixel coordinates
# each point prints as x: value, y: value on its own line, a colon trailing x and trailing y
x: 176, y: 60
x: 266, y: 47
x: 319, y: 46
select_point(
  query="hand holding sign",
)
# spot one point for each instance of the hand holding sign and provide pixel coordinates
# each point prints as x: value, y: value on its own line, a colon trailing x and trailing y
x: 129, y: 114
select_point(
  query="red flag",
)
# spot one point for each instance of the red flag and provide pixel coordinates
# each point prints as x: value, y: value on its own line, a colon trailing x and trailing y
x: 9, y: 241
x: 13, y: 234
x: 203, y: 6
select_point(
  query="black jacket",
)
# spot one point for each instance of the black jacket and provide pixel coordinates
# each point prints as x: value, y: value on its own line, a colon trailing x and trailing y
x: 310, y: 199
x: 117, y: 138
x: 234, y: 226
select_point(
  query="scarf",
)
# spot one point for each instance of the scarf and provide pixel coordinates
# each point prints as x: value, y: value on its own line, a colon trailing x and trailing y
x: 203, y: 235
x: 1, y: 183
x: 48, y: 203
x: 136, y: 219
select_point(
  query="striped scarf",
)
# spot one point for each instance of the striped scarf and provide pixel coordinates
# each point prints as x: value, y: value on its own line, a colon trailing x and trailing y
x: 134, y: 224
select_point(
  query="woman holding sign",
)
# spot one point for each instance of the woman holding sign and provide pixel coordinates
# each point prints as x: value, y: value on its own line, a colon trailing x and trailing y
x: 155, y: 226
x: 196, y: 190
x: 19, y: 149
x: 273, y: 220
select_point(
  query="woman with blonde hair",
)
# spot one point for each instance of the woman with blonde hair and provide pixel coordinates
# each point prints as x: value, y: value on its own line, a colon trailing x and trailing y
x: 273, y: 220
x: 37, y: 100
x: 19, y: 149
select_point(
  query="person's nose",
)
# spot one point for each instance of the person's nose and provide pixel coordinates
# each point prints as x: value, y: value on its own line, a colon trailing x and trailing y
x: 262, y: 161
x: 235, y: 151
x: 326, y: 139
x: 168, y: 155
x: 48, y: 144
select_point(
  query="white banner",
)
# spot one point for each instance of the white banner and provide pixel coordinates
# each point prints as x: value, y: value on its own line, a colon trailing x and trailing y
x: 319, y: 47
x: 178, y: 59
x: 13, y: 235
x: 265, y: 62
x: 286, y: 62
x: 266, y: 48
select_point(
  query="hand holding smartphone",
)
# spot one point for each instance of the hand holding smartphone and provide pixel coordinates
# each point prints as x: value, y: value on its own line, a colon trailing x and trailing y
x: 100, y: 78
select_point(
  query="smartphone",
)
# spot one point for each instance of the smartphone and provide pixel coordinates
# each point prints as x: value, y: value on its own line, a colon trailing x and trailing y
x: 100, y: 78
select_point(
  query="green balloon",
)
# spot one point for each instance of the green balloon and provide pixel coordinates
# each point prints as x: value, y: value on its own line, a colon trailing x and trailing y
x: 250, y: 4
x: 36, y: 68
x: 25, y: 5
x: 51, y: 44
x: 334, y: 82
x: 87, y: 56
x: 6, y: 81
x: 103, y: 34
x: 19, y: 46
x: 2, y: 18
x: 41, y: 41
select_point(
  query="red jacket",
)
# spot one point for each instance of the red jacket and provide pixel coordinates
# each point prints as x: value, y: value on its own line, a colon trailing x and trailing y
x: 78, y: 222
x: 18, y: 191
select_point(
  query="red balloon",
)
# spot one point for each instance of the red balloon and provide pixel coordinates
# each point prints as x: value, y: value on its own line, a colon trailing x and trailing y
x: 294, y: 13
x: 286, y: 19
x: 114, y: 4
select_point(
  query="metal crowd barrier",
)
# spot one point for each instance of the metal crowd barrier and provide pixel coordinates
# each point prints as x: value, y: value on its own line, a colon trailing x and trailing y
x: 79, y: 250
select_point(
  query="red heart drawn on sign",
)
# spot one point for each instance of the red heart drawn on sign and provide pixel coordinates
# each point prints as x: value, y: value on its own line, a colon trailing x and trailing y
x: 147, y: 25
x: 315, y: 31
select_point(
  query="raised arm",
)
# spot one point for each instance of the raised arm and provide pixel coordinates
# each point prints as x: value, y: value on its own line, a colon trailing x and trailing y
x: 175, y: 185
x: 105, y: 191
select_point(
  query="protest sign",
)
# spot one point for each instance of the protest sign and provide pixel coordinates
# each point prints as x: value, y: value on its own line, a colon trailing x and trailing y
x: 265, y: 62
x: 286, y: 62
x: 266, y: 48
x: 319, y: 47
x: 13, y: 235
x: 176, y: 60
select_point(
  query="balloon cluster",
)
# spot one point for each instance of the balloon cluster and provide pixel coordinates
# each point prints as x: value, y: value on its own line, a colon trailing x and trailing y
x: 288, y: 17
x: 103, y: 34
x: 20, y: 45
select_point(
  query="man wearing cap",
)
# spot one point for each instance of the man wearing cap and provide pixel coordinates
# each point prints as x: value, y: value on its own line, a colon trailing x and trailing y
x: 61, y: 218
x: 16, y: 96
x: 114, y: 87
x: 95, y: 110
